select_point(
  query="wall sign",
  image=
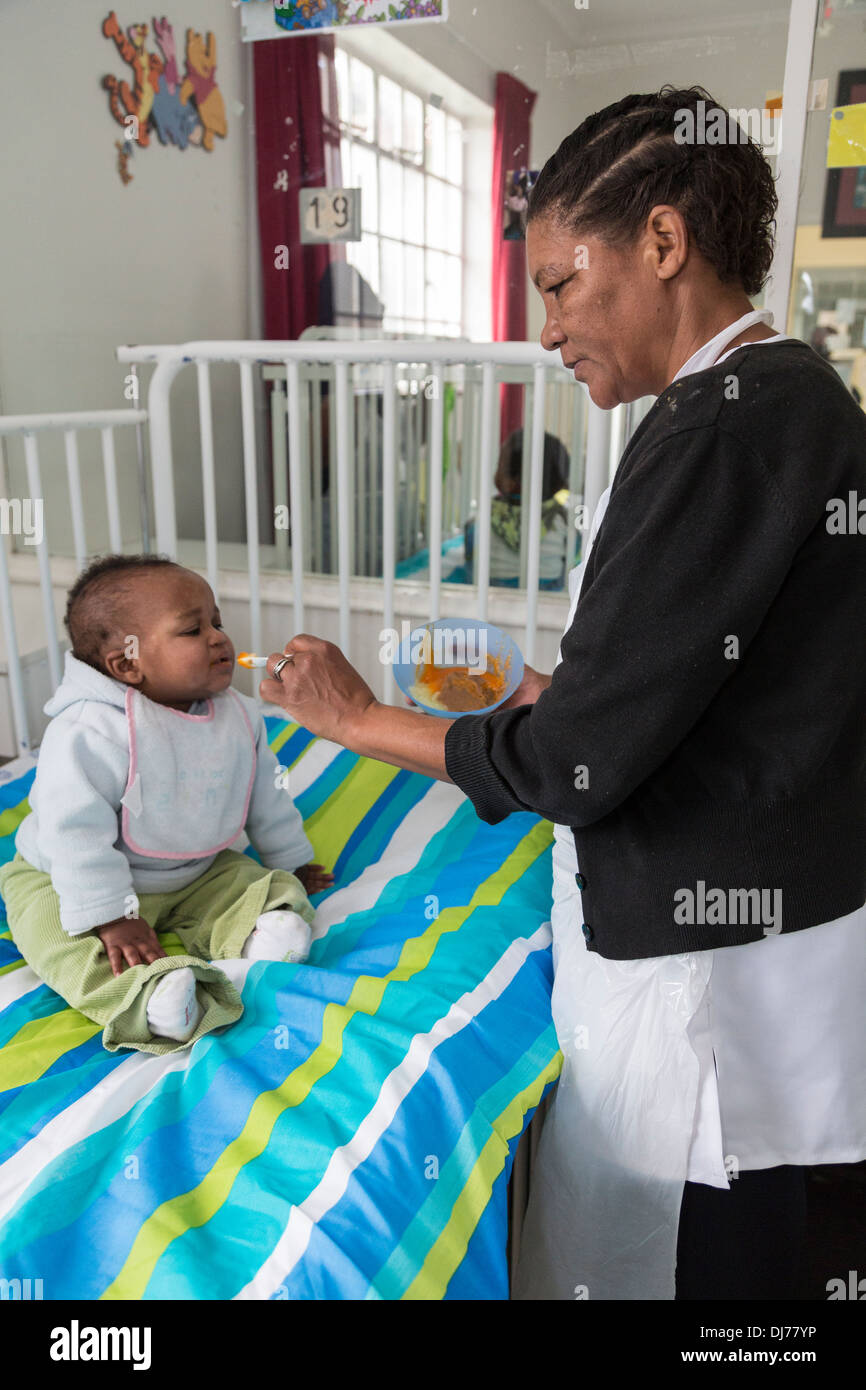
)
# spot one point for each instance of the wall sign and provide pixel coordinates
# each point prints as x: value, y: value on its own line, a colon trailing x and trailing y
x: 266, y: 19
x: 515, y: 203
x: 845, y: 195
x: 330, y: 214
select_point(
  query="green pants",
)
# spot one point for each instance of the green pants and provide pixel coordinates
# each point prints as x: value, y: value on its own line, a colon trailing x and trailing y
x: 210, y: 919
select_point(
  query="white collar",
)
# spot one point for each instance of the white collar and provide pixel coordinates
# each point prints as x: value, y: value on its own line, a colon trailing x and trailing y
x: 712, y: 351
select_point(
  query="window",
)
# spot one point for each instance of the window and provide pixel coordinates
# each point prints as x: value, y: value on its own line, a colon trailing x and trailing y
x: 406, y: 155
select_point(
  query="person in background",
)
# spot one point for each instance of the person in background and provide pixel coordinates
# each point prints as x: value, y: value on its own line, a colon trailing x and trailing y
x: 507, y: 512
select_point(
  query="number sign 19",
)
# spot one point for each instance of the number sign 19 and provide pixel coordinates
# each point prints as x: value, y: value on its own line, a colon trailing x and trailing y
x: 330, y: 214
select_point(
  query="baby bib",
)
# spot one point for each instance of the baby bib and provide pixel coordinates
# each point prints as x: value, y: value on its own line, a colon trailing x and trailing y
x: 190, y: 777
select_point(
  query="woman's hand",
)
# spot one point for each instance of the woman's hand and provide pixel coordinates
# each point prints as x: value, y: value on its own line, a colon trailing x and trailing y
x: 318, y: 688
x: 529, y: 689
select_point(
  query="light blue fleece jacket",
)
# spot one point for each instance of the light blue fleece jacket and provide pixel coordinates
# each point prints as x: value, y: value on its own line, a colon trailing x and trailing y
x: 78, y: 830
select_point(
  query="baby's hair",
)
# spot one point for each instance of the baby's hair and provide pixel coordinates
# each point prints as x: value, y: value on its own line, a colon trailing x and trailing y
x: 96, y: 602
x: 556, y: 462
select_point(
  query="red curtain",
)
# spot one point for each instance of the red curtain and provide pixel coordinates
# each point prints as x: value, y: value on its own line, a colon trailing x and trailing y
x: 512, y: 124
x: 297, y: 146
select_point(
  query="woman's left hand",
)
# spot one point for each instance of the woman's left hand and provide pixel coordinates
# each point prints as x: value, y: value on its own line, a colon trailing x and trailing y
x: 318, y: 687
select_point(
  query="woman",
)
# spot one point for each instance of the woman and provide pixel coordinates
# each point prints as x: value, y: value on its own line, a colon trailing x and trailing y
x: 700, y: 747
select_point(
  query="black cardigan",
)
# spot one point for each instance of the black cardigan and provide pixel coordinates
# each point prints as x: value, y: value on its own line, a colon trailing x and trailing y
x: 705, y: 732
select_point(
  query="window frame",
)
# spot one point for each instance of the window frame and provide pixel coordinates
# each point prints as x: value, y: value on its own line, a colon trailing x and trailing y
x: 400, y: 323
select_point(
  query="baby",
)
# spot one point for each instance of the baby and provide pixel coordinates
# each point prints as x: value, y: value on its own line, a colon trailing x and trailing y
x: 150, y: 771
x: 507, y: 515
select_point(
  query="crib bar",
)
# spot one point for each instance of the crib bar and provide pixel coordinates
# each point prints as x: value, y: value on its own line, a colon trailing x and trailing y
x: 14, y: 669
x: 279, y: 469
x: 389, y: 519
x: 412, y: 467
x: 576, y: 474
x: 162, y: 468
x: 306, y: 481
x: 141, y: 465
x: 69, y: 420
x: 533, y: 539
x: 434, y: 504
x: 205, y: 416
x: 314, y: 445
x: 411, y: 350
x: 617, y: 440
x: 374, y: 514
x: 252, y: 503
x: 34, y: 484
x: 109, y: 465
x: 296, y: 465
x: 597, y: 465
x: 344, y: 519
x: 352, y: 436
x: 73, y: 473
x: 525, y: 474
x: 456, y: 459
x: 332, y: 484
x: 468, y: 451
x: 485, y: 486
x: 357, y: 474
x: 364, y: 426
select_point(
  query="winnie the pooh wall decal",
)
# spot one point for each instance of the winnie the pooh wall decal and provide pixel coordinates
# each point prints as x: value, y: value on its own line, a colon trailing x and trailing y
x: 155, y: 99
x: 200, y: 83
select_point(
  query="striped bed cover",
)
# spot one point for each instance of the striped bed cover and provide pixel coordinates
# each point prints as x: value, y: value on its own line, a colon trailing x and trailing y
x: 352, y: 1135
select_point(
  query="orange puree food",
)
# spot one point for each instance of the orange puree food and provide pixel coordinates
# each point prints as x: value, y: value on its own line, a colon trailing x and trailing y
x: 457, y: 688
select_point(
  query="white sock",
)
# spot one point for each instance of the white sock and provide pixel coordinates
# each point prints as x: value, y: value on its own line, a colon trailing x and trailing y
x: 173, y: 1010
x: 279, y: 935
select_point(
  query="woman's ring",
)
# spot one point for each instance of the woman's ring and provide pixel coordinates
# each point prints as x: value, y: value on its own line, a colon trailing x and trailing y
x: 279, y: 666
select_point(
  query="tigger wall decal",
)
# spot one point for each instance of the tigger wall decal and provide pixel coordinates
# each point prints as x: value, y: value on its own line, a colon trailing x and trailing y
x: 179, y: 110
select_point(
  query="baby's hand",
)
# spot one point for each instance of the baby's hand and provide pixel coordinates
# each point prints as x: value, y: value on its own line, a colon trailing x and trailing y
x: 129, y: 941
x: 314, y: 877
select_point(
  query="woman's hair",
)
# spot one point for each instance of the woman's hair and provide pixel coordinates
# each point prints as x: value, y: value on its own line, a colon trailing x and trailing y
x: 606, y: 177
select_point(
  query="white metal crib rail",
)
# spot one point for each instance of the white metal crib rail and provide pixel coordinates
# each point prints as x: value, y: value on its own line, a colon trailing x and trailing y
x: 388, y: 355
x: 493, y: 362
x: 68, y: 424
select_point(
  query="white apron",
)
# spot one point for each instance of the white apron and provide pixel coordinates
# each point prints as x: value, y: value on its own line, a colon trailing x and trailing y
x: 190, y: 777
x: 607, y: 1182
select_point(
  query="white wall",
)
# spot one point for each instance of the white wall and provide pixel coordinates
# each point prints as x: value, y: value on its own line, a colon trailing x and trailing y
x: 579, y: 61
x: 88, y: 262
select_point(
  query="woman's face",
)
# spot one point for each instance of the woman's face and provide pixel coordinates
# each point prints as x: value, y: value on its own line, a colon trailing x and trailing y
x: 605, y: 310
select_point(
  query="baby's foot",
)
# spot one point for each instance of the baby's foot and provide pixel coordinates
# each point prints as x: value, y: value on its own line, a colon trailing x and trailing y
x: 279, y: 935
x: 173, y: 1010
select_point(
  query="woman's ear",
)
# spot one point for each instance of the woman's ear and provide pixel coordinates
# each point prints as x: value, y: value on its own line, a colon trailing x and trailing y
x: 667, y: 241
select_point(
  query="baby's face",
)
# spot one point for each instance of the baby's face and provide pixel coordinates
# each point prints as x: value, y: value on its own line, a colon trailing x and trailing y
x: 183, y: 653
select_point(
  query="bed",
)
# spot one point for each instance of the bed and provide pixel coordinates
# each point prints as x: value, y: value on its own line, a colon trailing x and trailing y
x: 352, y: 1136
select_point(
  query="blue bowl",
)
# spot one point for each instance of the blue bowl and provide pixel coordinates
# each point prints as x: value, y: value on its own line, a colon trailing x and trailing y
x: 462, y: 646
